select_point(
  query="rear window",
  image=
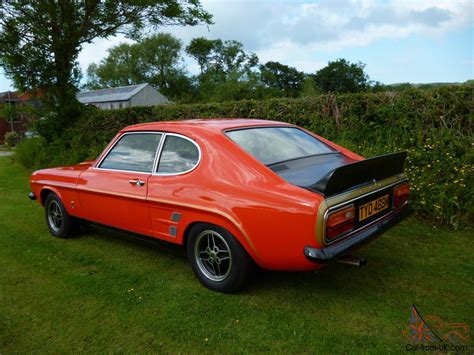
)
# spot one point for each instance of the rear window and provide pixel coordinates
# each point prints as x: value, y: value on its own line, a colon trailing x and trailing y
x: 178, y: 156
x: 272, y: 145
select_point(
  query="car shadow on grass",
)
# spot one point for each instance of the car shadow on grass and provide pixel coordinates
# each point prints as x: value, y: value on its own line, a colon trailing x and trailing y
x: 335, y: 278
x: 346, y: 281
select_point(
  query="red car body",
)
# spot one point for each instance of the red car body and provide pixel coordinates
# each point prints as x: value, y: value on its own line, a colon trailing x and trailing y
x: 280, y: 225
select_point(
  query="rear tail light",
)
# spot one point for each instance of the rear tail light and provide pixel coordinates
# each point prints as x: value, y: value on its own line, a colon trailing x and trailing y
x: 400, y: 195
x: 340, y: 222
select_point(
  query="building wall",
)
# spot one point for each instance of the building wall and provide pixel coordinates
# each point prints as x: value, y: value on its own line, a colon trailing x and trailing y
x: 148, y: 97
x: 111, y: 105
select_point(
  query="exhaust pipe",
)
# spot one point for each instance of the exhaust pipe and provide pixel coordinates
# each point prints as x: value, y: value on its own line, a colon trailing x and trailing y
x: 352, y: 260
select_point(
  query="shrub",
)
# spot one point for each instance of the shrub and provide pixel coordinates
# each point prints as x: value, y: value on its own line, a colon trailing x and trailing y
x: 11, y: 139
x: 32, y: 153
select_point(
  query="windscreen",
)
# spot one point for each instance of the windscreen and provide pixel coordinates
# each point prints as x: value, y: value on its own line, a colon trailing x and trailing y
x: 272, y: 145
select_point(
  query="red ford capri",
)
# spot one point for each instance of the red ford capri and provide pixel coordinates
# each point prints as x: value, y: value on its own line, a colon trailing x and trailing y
x: 233, y: 193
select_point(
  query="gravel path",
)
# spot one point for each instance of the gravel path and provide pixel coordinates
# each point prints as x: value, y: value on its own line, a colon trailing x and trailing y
x: 5, y: 153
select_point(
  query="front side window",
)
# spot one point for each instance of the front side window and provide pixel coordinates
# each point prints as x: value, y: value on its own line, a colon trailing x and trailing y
x: 133, y: 152
x: 178, y: 155
x: 271, y: 145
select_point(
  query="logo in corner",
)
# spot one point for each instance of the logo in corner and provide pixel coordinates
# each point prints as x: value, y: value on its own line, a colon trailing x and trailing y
x: 420, y: 331
x: 436, y: 331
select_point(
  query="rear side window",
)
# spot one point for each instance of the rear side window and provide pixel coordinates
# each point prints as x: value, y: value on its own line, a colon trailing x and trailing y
x: 272, y: 145
x: 133, y: 152
x: 178, y: 156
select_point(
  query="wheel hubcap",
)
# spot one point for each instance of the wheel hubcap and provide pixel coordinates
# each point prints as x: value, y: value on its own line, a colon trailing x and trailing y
x: 55, y: 216
x: 213, y: 256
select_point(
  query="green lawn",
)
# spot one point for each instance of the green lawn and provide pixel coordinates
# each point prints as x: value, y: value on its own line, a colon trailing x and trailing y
x: 98, y: 292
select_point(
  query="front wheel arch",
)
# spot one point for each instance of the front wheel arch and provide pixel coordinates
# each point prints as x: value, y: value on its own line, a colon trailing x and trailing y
x: 45, y: 192
x: 59, y: 222
x: 44, y: 195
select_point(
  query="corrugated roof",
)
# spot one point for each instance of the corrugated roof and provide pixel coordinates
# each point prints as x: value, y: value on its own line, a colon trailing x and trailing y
x: 121, y: 93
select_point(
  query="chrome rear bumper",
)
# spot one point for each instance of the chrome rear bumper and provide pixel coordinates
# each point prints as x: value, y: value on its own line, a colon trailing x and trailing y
x: 357, y: 239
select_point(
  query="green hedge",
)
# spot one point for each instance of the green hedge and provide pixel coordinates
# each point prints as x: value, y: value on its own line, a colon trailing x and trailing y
x: 435, y: 127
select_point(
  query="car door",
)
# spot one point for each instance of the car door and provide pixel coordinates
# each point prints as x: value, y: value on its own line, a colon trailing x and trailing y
x: 114, y: 191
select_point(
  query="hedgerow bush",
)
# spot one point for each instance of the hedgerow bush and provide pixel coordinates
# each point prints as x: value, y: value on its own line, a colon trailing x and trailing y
x: 31, y: 153
x: 11, y: 139
x: 434, y: 126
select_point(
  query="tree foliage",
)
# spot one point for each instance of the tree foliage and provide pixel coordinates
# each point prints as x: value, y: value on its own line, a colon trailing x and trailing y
x: 282, y: 77
x: 155, y: 60
x: 226, y: 64
x: 342, y: 76
x: 119, y: 68
x: 221, y: 57
x: 40, y: 40
x: 227, y: 72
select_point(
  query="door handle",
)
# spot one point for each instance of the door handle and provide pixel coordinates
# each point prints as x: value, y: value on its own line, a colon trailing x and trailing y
x: 137, y: 182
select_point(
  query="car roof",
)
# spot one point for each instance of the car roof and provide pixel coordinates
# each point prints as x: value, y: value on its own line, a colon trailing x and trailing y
x: 214, y: 124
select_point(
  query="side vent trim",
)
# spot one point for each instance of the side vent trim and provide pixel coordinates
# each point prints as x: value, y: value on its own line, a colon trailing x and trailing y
x: 175, y: 216
x: 173, y: 231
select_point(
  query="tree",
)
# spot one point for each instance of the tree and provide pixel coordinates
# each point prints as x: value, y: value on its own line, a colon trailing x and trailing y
x: 10, y: 113
x: 342, y: 76
x: 119, y: 68
x: 40, y: 40
x: 156, y: 60
x: 309, y: 88
x: 200, y: 49
x: 221, y: 57
x: 227, y: 71
x: 282, y: 77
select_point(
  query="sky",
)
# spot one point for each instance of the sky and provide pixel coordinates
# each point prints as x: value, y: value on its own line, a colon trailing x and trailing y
x: 417, y: 41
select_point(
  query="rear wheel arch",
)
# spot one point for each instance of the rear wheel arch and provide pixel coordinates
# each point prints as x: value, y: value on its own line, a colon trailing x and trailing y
x: 191, y: 225
x: 227, y: 226
x: 187, y: 230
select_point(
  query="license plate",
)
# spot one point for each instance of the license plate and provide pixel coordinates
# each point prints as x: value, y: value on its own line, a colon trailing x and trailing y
x: 371, y: 208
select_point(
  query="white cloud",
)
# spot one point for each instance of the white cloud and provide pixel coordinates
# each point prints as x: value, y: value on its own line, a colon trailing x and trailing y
x: 94, y: 52
x: 295, y: 32
x: 301, y: 33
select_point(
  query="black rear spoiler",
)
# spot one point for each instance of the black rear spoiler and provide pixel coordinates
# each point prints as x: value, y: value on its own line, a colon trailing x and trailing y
x: 359, y: 173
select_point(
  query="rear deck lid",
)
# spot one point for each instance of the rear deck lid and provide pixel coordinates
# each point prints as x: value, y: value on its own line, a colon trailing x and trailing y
x: 334, y: 173
x: 304, y: 172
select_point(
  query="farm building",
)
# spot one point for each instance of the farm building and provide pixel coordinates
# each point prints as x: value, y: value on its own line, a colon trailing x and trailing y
x: 123, y: 97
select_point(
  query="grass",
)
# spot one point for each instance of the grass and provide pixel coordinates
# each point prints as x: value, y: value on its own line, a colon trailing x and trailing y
x: 97, y: 292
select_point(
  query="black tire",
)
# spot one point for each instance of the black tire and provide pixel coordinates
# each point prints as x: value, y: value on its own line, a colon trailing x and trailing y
x: 218, y: 273
x: 59, y: 222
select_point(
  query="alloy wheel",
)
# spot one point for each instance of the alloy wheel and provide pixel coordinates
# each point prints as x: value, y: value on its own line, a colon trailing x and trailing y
x: 213, y: 255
